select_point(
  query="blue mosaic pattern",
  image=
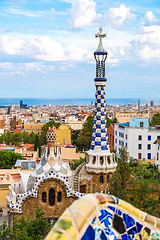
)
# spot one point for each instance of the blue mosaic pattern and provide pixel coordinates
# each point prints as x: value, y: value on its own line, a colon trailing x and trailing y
x: 112, y: 224
x: 99, y: 136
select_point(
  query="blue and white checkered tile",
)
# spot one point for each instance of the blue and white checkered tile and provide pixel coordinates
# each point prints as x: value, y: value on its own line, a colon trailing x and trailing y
x: 99, y: 136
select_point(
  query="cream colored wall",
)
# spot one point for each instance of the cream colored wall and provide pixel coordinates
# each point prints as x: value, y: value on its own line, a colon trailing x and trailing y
x: 125, y: 117
x: 76, y: 125
x: 33, y: 127
x: 3, y: 194
x: 69, y: 154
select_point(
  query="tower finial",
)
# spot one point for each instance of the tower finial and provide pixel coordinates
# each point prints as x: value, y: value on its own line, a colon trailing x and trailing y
x: 100, y: 35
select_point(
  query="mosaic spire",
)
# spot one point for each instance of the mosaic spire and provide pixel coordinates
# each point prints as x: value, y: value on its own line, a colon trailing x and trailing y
x: 99, y: 136
x: 98, y: 158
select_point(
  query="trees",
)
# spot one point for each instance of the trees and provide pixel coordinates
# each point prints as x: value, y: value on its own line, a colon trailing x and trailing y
x: 155, y: 120
x: 144, y: 194
x: 120, y: 178
x: 136, y: 183
x: 8, y: 159
x: 76, y: 163
x: 84, y: 139
x: 26, y: 229
x: 74, y: 135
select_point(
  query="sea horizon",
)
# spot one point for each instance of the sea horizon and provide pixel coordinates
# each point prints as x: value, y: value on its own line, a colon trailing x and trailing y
x: 73, y: 101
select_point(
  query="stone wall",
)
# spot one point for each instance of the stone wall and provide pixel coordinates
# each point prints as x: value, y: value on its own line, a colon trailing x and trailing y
x: 93, y: 181
x: 30, y: 205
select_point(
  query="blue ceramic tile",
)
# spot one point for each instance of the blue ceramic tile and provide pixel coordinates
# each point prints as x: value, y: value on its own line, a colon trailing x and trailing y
x: 89, y: 234
x: 132, y: 231
x: 139, y: 227
x: 124, y: 237
x: 103, y: 236
x: 112, y: 208
x: 129, y: 221
x: 105, y: 215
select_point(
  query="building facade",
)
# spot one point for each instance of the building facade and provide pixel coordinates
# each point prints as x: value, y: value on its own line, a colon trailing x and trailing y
x: 137, y: 137
x: 124, y: 117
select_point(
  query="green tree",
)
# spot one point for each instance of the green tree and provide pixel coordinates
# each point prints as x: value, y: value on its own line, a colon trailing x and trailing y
x: 74, y: 135
x: 110, y: 121
x: 8, y: 138
x: 120, y: 178
x: 8, y: 159
x: 144, y: 194
x: 16, y: 138
x: 155, y: 120
x: 84, y: 140
x: 76, y: 163
x: 26, y: 229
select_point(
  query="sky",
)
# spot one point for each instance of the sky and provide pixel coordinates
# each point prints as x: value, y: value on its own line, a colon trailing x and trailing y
x: 46, y: 48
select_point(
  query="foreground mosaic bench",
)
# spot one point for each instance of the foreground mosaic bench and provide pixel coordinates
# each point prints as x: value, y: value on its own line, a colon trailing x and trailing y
x: 102, y: 216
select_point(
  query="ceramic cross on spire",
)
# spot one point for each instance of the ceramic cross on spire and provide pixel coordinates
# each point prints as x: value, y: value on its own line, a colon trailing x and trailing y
x: 100, y: 35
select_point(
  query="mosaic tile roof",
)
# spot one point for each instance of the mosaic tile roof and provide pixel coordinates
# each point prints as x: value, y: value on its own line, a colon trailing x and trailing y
x: 104, y: 217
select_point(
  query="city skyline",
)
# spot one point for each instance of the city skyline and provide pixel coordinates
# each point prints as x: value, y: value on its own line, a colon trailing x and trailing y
x: 46, y: 48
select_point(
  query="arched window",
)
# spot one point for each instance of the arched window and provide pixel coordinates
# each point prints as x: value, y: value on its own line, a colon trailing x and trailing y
x: 51, y: 197
x: 108, y: 178
x: 109, y: 160
x: 94, y: 160
x: 101, y: 179
x: 101, y: 160
x: 59, y: 197
x: 44, y: 197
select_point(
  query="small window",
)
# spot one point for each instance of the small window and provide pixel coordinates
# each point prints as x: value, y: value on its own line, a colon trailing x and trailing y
x: 149, y: 155
x: 158, y: 137
x: 149, y: 137
x: 157, y: 156
x: 94, y: 159
x: 44, y: 197
x: 148, y: 146
x: 101, y: 160
x: 115, y: 140
x: 101, y: 179
x: 109, y: 160
x: 115, y: 132
x: 51, y: 197
x: 139, y: 155
x: 141, y: 124
x: 139, y: 137
x: 59, y: 197
x: 107, y: 178
x: 126, y: 144
x: 126, y: 136
x: 139, y: 146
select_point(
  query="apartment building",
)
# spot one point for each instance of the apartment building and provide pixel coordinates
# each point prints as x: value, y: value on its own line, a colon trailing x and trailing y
x: 137, y: 137
x: 124, y: 117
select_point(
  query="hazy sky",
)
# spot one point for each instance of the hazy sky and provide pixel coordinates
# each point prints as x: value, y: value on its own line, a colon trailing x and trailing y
x: 46, y: 48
